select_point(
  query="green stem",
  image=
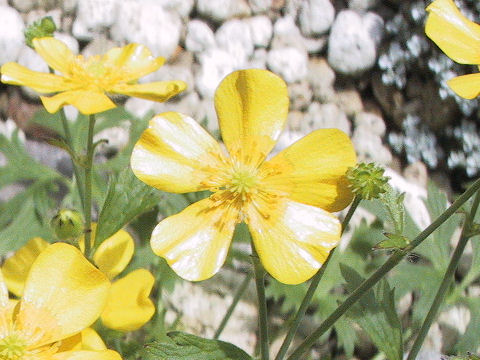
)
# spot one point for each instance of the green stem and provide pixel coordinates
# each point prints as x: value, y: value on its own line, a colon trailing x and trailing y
x: 236, y: 299
x: 88, y: 186
x: 380, y: 273
x: 446, y: 282
x: 312, y: 288
x: 262, y: 304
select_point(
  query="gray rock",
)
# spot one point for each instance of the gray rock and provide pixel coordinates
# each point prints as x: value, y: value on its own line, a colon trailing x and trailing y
x: 221, y: 10
x: 362, y: 5
x: 370, y: 121
x: 352, y: 45
x: 349, y: 101
x: 315, y: 45
x: 93, y: 16
x: 148, y: 23
x: 369, y: 147
x: 36, y: 14
x: 199, y: 36
x: 181, y: 7
x: 300, y: 95
x: 69, y: 6
x: 287, y: 34
x: 117, y: 137
x: 99, y: 45
x: 11, y: 37
x: 261, y: 30
x: 234, y: 37
x: 325, y: 116
x: 322, y: 78
x: 316, y: 17
x: 260, y: 6
x: 289, y: 62
x: 23, y: 5
x: 139, y: 107
x: 258, y: 59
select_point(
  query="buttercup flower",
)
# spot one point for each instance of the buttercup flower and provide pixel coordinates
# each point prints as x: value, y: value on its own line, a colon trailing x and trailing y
x: 84, y: 81
x: 286, y: 201
x: 128, y: 306
x: 459, y: 39
x: 63, y: 295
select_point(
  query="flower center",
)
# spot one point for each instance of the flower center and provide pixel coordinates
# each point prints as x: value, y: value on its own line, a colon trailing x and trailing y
x: 94, y: 72
x: 12, y: 347
x: 242, y: 182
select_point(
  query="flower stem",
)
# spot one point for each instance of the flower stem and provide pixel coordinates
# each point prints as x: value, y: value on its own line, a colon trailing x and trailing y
x: 236, y: 299
x: 312, y: 288
x: 447, y: 280
x: 262, y: 304
x: 88, y: 186
x: 381, y: 272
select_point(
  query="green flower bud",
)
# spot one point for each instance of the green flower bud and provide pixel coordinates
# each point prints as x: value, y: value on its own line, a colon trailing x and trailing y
x: 367, y: 180
x: 45, y: 27
x: 67, y: 224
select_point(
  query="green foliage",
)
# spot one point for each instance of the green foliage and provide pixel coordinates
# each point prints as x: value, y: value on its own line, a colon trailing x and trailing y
x: 182, y: 346
x: 45, y: 27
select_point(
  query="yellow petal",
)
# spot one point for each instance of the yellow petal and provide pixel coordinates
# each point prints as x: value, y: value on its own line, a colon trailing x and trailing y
x: 15, y: 269
x: 155, y: 91
x: 195, y: 241
x: 457, y: 36
x: 312, y: 170
x: 175, y: 154
x: 128, y: 307
x: 88, y: 339
x: 252, y: 107
x: 16, y: 74
x: 294, y: 240
x: 133, y: 60
x: 55, y: 53
x: 64, y: 293
x: 87, y: 355
x: 87, y: 102
x: 466, y: 86
x: 3, y: 293
x: 114, y: 254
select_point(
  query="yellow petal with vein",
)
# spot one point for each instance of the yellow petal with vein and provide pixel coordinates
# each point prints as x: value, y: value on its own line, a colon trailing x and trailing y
x: 155, y: 91
x: 294, y: 240
x: 128, y: 306
x: 466, y: 86
x: 133, y: 60
x: 87, y: 102
x: 312, y: 170
x: 195, y: 241
x: 64, y: 293
x: 87, y: 355
x: 176, y: 154
x: 88, y: 339
x: 55, y: 53
x: 114, y: 254
x: 457, y: 36
x: 252, y: 107
x: 16, y: 74
x: 16, y: 268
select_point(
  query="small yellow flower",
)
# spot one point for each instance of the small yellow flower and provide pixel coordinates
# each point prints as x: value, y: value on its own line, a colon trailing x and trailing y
x: 459, y: 39
x: 286, y: 201
x: 84, y: 81
x: 63, y: 295
x: 128, y: 306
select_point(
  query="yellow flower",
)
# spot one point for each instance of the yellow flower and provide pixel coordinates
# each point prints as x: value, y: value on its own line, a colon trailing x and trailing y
x: 286, y: 201
x: 84, y: 82
x: 128, y: 306
x: 459, y: 39
x: 63, y: 295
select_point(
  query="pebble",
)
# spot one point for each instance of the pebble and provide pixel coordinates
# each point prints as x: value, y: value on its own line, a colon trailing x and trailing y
x: 369, y: 147
x: 300, y: 95
x: 199, y: 36
x: 349, y: 101
x: 370, y: 121
x: 325, y: 116
x: 289, y: 62
x: 234, y: 36
x: 260, y: 6
x: 322, y: 78
x: 181, y: 7
x: 93, y: 16
x: 221, y: 10
x: 261, y: 30
x: 316, y: 17
x: 11, y: 37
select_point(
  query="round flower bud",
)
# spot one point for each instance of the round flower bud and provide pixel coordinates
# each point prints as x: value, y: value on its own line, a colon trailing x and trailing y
x: 67, y: 224
x: 367, y: 180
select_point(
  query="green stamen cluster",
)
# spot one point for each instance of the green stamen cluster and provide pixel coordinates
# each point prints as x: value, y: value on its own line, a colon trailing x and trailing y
x: 367, y: 180
x: 12, y: 347
x: 45, y: 27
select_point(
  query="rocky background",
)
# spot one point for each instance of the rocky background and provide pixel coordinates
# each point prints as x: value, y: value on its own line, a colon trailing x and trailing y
x: 363, y: 66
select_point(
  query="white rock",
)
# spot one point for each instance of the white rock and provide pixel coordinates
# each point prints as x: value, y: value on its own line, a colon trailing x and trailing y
x: 35, y: 15
x: 99, y: 45
x: 322, y: 78
x: 292, y: 7
x: 325, y: 116
x: 11, y: 37
x: 316, y: 17
x: 148, y: 23
x: 181, y: 7
x: 117, y: 137
x: 92, y: 17
x: 370, y: 121
x: 69, y: 6
x: 350, y: 101
x: 139, y: 107
x: 258, y: 59
x: 261, y: 30
x: 205, y: 113
x: 369, y: 147
x: 68, y: 40
x: 221, y: 10
x: 234, y: 37
x: 260, y: 6
x: 300, y: 95
x: 215, y: 64
x: 352, y: 48
x: 362, y: 5
x: 290, y: 63
x: 199, y: 36
x: 286, y: 33
x: 23, y: 5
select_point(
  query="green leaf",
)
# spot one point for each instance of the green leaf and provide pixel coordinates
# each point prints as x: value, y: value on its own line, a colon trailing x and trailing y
x: 190, y: 347
x: 375, y: 313
x: 127, y: 197
x: 394, y: 241
x: 470, y: 340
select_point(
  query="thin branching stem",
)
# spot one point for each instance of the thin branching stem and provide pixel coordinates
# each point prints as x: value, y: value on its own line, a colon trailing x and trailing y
x: 260, y: 273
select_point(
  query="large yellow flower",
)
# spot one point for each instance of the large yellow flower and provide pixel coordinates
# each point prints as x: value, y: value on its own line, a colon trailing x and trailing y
x: 63, y: 295
x: 459, y: 38
x: 128, y: 306
x: 84, y: 82
x: 286, y: 201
